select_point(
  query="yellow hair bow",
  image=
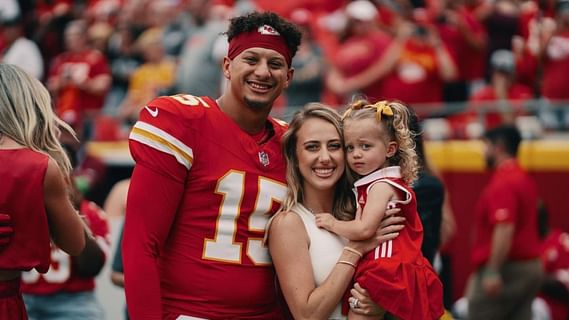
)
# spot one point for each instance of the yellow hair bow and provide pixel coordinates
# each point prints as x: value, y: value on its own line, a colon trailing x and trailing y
x: 382, y: 108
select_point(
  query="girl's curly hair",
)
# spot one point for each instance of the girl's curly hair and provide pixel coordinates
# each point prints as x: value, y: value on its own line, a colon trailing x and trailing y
x: 395, y: 117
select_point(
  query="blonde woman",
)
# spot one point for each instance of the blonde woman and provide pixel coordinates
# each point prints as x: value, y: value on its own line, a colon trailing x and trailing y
x: 315, y: 267
x: 34, y: 188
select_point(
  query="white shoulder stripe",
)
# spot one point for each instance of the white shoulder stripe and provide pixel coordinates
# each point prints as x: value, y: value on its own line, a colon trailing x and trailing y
x: 162, y: 141
x: 165, y: 135
x: 394, y: 184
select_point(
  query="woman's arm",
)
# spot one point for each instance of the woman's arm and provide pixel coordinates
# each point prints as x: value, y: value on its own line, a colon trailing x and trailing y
x: 66, y: 227
x: 289, y: 244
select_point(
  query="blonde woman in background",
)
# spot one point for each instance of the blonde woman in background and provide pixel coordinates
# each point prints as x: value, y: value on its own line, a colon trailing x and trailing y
x: 35, y: 186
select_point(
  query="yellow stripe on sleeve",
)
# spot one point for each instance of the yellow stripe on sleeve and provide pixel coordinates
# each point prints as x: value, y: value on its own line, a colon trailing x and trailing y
x: 162, y: 141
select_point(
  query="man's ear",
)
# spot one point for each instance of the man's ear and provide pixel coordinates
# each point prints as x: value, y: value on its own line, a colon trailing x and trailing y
x: 289, y: 75
x: 392, y: 147
x: 225, y: 67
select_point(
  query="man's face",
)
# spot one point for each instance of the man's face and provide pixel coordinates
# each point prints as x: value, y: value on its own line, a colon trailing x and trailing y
x: 258, y: 76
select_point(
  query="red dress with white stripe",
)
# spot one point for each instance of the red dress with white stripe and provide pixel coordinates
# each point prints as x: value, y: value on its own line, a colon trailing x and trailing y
x: 199, y: 199
x: 396, y: 274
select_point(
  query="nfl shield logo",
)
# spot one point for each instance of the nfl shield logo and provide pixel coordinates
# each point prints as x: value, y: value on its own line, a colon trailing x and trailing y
x: 264, y: 158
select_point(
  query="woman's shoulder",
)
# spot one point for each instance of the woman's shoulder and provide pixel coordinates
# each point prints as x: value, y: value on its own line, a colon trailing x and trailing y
x: 284, y: 224
x: 285, y: 219
x: 53, y: 174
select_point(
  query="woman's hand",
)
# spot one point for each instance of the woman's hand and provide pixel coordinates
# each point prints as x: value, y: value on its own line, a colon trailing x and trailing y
x: 390, y: 225
x: 388, y: 230
x: 361, y: 302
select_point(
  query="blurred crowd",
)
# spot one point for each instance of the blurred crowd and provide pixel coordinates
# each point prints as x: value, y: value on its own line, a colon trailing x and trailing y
x: 473, y: 63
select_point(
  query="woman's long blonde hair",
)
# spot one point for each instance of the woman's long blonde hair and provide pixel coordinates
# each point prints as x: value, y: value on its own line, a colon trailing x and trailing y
x: 27, y: 117
x: 343, y: 207
x: 395, y: 117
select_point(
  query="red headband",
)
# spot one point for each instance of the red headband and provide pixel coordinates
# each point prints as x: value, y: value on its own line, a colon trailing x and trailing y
x: 264, y: 37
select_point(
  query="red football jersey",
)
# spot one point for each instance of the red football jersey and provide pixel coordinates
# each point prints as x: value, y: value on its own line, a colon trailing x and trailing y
x: 78, y: 68
x: 22, y: 175
x: 61, y: 276
x: 212, y: 263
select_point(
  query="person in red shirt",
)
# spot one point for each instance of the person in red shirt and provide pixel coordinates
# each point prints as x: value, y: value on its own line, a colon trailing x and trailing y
x: 498, y: 102
x: 508, y: 271
x: 361, y: 46
x: 209, y: 173
x: 79, y: 79
x: 504, y: 91
x: 34, y: 188
x: 412, y: 68
x: 555, y: 55
x: 555, y: 258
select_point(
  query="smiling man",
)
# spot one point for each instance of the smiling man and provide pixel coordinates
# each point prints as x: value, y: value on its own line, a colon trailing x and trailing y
x: 208, y: 175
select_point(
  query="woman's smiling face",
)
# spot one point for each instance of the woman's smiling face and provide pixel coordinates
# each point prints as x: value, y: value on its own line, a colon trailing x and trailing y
x: 320, y: 153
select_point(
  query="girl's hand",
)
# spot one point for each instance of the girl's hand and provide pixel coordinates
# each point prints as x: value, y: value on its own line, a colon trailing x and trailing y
x: 363, y: 303
x: 325, y: 220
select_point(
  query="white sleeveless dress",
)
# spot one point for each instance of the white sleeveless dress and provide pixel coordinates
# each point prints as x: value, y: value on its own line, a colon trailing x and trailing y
x: 325, y: 250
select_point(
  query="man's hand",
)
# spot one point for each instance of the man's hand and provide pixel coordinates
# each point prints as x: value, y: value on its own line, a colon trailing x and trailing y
x: 325, y: 220
x: 492, y: 282
x: 6, y: 230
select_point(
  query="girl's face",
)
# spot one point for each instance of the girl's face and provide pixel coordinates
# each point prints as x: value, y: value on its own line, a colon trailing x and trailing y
x: 320, y: 154
x: 367, y: 145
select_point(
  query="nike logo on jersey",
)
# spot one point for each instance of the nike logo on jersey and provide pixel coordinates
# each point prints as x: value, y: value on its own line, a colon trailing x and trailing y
x: 153, y: 112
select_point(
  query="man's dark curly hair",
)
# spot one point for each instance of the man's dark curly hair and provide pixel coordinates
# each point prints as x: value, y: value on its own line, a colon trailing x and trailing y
x: 254, y: 20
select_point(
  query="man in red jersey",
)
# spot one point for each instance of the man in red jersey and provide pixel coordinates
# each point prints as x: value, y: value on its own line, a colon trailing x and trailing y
x: 208, y: 175
x: 508, y: 271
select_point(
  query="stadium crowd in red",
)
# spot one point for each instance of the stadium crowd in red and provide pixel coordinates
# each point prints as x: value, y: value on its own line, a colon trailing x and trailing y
x: 123, y: 52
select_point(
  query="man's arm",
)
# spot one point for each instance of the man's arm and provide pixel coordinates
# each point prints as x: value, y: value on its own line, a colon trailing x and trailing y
x: 501, y: 244
x: 152, y: 203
